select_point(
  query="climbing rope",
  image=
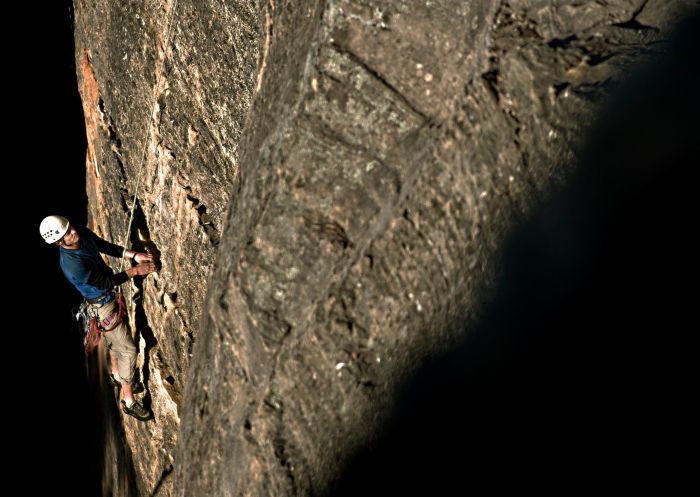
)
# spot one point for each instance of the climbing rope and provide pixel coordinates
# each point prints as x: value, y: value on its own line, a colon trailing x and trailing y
x: 146, y: 139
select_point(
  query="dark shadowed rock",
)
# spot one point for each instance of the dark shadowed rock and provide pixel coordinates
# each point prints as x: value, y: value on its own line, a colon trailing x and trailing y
x: 578, y: 374
x: 328, y: 185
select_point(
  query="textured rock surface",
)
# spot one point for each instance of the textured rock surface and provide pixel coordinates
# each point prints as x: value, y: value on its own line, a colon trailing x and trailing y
x: 327, y: 184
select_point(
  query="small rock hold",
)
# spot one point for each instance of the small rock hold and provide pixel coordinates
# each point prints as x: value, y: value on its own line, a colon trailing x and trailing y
x: 192, y: 136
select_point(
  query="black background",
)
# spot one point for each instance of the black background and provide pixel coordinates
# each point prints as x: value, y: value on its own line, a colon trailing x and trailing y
x: 48, y: 404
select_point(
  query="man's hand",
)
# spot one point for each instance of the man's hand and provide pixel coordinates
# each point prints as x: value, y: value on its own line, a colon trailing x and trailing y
x: 141, y: 269
x: 140, y: 257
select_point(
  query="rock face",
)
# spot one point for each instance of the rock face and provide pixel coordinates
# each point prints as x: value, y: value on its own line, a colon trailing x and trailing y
x: 327, y: 185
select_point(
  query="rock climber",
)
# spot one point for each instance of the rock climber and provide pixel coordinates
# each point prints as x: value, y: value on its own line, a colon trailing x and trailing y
x: 85, y: 268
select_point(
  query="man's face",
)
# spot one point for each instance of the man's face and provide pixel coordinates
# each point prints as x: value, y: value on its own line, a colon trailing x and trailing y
x: 70, y: 239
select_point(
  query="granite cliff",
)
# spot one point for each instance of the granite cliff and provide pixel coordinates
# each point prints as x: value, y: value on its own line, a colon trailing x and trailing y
x: 327, y: 185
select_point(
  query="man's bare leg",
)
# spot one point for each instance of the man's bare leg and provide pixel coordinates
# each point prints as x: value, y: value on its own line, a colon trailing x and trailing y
x: 127, y: 395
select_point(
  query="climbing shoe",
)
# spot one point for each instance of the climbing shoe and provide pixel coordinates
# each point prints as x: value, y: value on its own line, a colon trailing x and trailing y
x: 138, y: 411
x: 135, y: 387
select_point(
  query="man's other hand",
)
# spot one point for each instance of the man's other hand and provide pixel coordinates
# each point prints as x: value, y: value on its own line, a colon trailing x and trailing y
x: 141, y: 257
x: 141, y: 269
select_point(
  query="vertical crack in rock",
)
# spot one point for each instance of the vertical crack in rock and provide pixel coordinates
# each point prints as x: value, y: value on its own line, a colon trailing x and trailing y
x: 204, y: 219
x: 141, y: 242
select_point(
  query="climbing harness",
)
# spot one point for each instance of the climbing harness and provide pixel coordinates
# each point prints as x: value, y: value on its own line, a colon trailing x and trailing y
x: 146, y: 140
x: 92, y: 326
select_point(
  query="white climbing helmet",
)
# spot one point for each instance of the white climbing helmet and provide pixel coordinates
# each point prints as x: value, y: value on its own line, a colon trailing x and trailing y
x: 52, y: 228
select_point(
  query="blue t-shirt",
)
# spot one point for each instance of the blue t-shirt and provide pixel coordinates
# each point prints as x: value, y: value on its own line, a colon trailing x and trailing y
x: 85, y: 268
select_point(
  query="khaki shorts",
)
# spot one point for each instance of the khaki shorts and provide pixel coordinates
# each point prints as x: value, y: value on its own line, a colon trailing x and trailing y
x: 118, y: 341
